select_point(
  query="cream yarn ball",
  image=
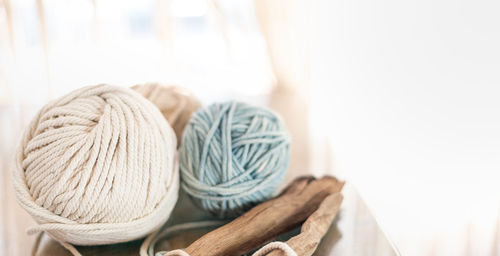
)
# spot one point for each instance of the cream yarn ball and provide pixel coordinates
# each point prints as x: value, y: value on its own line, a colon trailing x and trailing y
x: 177, y: 104
x: 98, y: 166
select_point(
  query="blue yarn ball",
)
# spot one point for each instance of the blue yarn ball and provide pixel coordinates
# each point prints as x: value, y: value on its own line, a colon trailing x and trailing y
x: 233, y: 156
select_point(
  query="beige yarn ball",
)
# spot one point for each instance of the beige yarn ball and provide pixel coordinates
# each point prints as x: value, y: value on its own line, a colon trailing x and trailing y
x: 98, y: 166
x: 175, y: 103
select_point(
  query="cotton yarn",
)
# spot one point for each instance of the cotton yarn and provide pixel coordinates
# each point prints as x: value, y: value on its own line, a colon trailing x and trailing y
x: 277, y: 245
x: 175, y: 103
x: 233, y: 156
x: 148, y: 247
x: 97, y: 166
x: 149, y: 251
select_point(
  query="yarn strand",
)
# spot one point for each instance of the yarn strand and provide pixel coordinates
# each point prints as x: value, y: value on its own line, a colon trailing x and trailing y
x: 277, y: 245
x: 284, y: 247
x: 148, y: 247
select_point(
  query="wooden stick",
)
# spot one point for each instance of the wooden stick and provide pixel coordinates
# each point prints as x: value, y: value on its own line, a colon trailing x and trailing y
x: 268, y: 220
x: 314, y: 228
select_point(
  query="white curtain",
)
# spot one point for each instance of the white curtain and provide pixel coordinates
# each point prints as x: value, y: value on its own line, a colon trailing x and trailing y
x: 285, y: 25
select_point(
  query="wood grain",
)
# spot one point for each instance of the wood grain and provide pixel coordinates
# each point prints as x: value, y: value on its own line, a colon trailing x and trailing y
x: 314, y: 228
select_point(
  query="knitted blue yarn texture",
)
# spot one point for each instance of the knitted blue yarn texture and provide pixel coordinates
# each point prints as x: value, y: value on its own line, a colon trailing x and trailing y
x: 233, y: 156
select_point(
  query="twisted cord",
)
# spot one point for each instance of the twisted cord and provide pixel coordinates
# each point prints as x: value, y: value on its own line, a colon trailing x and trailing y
x: 97, y: 166
x: 148, y: 247
x: 277, y: 245
x: 175, y: 103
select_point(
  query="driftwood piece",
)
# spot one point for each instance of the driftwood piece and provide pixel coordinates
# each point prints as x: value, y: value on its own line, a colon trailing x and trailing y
x: 268, y: 220
x: 314, y: 228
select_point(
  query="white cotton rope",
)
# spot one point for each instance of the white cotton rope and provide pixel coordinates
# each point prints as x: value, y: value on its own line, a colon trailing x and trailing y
x: 97, y: 166
x: 284, y: 247
x: 277, y: 245
x: 148, y: 247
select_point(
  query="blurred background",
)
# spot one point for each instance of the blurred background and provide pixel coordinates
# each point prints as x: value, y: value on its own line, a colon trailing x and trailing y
x: 400, y: 98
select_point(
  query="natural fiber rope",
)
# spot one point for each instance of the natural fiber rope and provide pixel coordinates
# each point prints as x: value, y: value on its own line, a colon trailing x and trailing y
x: 175, y: 103
x: 284, y: 247
x: 148, y: 247
x: 97, y: 166
x: 275, y: 246
x: 177, y: 252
